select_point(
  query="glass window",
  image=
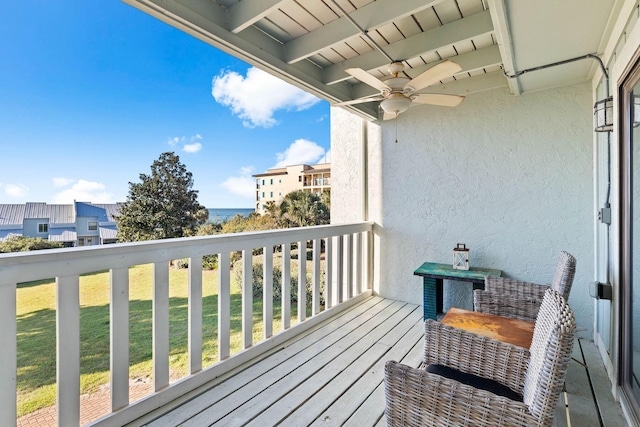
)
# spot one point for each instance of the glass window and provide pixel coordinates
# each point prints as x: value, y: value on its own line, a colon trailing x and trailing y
x: 43, y: 228
x: 93, y: 225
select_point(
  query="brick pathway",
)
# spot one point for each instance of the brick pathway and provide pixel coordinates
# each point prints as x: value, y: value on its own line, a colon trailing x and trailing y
x: 92, y: 406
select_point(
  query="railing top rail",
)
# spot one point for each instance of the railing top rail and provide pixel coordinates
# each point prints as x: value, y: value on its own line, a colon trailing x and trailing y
x: 36, y: 265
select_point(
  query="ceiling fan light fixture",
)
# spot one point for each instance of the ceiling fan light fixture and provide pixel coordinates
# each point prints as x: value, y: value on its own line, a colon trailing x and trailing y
x: 396, y: 104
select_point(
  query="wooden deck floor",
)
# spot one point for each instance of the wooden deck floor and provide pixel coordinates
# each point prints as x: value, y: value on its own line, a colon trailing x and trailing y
x: 332, y: 376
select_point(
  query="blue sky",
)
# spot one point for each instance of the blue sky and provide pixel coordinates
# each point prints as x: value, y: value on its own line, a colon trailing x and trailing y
x: 92, y: 92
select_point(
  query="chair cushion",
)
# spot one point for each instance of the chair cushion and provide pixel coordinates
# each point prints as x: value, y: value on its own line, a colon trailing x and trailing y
x: 474, y: 381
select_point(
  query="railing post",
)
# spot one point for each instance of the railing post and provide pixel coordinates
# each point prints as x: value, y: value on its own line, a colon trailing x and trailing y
x: 160, y: 325
x: 340, y: 270
x: 195, y: 314
x: 8, y: 355
x: 247, y: 298
x: 316, y: 278
x: 328, y: 270
x: 302, y: 280
x: 119, y: 332
x: 286, y: 286
x: 68, y: 350
x: 358, y: 253
x: 224, y: 305
x: 349, y: 267
x: 267, y: 292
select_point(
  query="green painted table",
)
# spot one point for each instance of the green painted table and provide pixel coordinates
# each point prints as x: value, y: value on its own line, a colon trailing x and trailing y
x: 433, y: 274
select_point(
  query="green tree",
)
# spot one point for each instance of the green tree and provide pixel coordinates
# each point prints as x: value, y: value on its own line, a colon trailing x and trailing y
x: 23, y: 244
x: 301, y: 209
x: 162, y: 205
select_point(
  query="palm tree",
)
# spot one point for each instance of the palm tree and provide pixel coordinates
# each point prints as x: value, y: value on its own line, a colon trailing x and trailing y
x: 301, y: 209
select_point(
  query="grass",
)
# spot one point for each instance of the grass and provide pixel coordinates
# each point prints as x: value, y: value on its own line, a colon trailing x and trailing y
x: 36, y: 331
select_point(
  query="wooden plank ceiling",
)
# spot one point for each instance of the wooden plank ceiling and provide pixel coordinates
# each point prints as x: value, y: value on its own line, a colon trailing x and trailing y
x: 311, y: 43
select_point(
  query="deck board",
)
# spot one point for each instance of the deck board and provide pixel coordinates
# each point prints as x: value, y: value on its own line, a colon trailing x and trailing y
x: 332, y: 375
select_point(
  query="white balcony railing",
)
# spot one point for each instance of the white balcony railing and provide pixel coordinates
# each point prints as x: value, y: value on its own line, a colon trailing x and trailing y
x: 348, y: 268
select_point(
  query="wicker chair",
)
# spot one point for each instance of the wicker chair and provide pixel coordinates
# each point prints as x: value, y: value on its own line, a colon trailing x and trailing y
x: 513, y: 298
x: 418, y: 397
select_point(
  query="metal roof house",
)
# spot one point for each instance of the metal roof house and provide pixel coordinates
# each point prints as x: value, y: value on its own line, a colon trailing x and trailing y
x: 78, y: 224
x: 516, y: 171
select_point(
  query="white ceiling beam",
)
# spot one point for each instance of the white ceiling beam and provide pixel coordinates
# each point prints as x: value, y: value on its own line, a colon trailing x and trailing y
x: 471, y: 61
x: 369, y: 17
x: 420, y: 44
x: 246, y: 13
x: 503, y: 37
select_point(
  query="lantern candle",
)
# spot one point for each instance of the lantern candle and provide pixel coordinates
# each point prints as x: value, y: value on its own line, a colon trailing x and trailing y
x: 460, y: 257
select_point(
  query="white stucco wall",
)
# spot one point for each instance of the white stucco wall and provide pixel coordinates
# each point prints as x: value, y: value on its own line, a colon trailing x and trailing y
x: 509, y: 176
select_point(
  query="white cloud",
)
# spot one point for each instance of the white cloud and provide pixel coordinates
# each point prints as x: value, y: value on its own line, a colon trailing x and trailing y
x: 189, y: 145
x: 62, y: 182
x: 256, y: 97
x: 192, y: 148
x: 86, y: 191
x: 16, y: 191
x: 300, y: 152
x: 243, y: 185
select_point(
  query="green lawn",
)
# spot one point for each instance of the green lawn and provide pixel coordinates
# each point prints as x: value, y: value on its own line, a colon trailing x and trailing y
x: 36, y: 320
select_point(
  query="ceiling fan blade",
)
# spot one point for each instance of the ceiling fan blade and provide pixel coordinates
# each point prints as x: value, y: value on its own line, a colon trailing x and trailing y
x: 358, y: 101
x: 434, y: 74
x: 366, y: 78
x: 438, y: 99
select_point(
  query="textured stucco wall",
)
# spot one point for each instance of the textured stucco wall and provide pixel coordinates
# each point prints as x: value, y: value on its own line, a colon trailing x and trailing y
x: 509, y: 176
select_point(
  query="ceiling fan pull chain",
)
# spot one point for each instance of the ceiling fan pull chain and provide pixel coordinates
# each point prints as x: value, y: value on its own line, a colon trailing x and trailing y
x: 396, y: 120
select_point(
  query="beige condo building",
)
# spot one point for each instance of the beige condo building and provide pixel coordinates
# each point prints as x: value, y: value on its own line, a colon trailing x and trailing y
x: 276, y: 183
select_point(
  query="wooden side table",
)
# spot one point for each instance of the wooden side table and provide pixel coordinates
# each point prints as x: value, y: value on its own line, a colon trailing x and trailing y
x: 433, y: 275
x: 506, y: 329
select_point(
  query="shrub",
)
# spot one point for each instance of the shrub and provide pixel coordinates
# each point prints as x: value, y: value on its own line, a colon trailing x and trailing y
x: 258, y: 283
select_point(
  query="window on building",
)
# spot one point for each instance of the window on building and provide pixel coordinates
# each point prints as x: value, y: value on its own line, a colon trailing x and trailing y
x: 300, y: 178
x: 271, y: 194
x: 93, y: 225
x: 43, y: 228
x: 271, y: 181
x: 279, y: 181
x: 263, y: 194
x: 263, y: 182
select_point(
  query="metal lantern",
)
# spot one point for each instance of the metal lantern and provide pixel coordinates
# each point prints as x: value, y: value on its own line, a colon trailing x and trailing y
x: 460, y: 257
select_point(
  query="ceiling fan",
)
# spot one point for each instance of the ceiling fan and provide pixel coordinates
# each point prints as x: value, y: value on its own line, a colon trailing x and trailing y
x: 398, y: 92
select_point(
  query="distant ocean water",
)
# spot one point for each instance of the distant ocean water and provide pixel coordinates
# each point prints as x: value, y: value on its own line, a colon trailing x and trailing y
x: 221, y: 215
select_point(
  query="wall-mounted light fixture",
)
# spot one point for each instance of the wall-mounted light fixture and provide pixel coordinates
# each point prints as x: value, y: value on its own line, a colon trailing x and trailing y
x: 603, y: 115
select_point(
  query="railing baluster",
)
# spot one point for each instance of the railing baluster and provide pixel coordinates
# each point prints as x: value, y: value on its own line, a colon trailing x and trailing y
x: 302, y: 280
x: 224, y: 305
x: 357, y: 251
x: 247, y: 298
x: 267, y: 292
x: 328, y: 276
x: 8, y: 355
x: 119, y: 333
x: 160, y: 325
x: 367, y: 255
x: 195, y: 314
x: 68, y: 350
x: 349, y: 267
x: 286, y: 286
x: 316, y: 278
x: 340, y: 270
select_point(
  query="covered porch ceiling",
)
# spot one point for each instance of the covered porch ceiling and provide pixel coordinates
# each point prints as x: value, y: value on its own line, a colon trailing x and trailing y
x: 310, y: 43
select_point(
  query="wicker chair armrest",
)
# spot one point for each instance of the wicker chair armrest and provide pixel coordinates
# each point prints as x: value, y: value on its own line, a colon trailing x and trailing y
x: 475, y: 354
x: 506, y: 305
x: 415, y: 397
x: 517, y: 288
